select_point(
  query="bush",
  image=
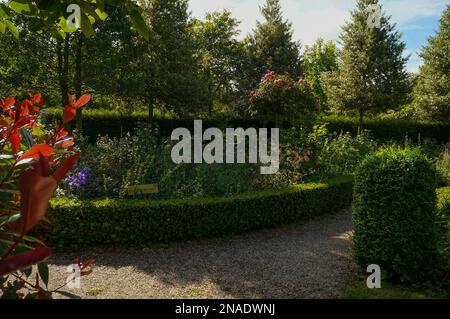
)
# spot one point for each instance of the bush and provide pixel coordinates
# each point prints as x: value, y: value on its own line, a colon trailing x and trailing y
x: 280, y: 97
x: 444, y: 222
x: 341, y: 154
x: 114, y: 124
x: 394, y: 213
x: 131, y: 222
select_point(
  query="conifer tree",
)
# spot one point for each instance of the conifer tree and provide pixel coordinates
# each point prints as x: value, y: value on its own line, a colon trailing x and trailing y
x: 372, y: 75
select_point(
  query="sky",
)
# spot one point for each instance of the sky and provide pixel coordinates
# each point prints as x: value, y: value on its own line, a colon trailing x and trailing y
x: 415, y: 19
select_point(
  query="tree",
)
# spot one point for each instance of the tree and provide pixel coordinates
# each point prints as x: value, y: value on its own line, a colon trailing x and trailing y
x: 432, y: 92
x: 271, y: 47
x: 371, y: 76
x: 319, y: 59
x: 169, y: 71
x: 218, y: 51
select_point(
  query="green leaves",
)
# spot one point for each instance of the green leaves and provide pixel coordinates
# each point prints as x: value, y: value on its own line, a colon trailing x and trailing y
x: 46, y: 16
x: 43, y: 272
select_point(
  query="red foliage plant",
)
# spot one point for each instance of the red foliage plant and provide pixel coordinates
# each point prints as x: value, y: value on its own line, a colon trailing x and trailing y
x: 33, y: 160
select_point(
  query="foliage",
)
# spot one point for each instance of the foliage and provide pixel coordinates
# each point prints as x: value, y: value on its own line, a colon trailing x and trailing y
x: 444, y: 221
x: 131, y: 222
x: 432, y: 93
x: 32, y: 164
x: 394, y: 214
x: 318, y: 60
x: 51, y: 16
x: 371, y: 76
x: 342, y: 153
x: 280, y: 97
x: 271, y: 46
x: 443, y: 167
x: 218, y: 51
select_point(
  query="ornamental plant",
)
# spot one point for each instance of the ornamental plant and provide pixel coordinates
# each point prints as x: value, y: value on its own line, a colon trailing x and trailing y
x: 280, y: 97
x: 33, y: 162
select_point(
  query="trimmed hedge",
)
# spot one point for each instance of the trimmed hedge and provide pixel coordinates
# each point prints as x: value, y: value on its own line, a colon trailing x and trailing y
x: 394, y: 214
x: 444, y: 222
x: 131, y: 222
x: 102, y: 122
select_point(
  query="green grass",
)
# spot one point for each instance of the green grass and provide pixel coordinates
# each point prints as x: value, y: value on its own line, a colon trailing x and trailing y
x: 359, y: 290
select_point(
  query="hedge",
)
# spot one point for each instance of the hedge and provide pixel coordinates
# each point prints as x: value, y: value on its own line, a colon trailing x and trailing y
x: 101, y: 123
x: 394, y: 214
x: 134, y: 222
x: 444, y: 221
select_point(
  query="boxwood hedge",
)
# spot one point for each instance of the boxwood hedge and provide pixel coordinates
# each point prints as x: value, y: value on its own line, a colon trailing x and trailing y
x: 394, y: 213
x: 139, y: 221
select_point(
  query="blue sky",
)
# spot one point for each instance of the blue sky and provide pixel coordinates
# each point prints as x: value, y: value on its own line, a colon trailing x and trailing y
x: 416, y: 19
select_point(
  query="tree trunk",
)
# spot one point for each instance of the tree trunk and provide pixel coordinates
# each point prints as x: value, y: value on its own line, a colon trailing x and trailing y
x: 62, y: 52
x: 78, y: 83
x: 150, y: 106
x: 361, y: 119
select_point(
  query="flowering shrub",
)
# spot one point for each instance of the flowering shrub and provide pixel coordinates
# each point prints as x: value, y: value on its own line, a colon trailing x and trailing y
x: 33, y: 162
x: 280, y: 97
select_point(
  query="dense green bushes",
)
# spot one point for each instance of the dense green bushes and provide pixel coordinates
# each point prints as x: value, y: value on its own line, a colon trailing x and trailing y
x: 129, y: 222
x: 114, y: 124
x: 444, y: 222
x: 394, y: 213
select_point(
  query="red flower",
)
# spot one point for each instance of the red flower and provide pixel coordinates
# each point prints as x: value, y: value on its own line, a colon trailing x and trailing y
x: 278, y: 82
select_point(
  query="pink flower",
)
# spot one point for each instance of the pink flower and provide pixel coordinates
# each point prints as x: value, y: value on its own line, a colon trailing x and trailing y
x: 278, y: 82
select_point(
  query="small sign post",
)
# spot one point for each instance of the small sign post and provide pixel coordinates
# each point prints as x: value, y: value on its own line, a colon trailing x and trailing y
x: 142, y: 189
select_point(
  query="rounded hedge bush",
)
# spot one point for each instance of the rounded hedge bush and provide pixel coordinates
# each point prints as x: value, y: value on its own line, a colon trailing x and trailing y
x: 394, y: 213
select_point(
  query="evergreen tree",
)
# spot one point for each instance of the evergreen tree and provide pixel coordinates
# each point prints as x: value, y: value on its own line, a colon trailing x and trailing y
x: 271, y: 46
x: 432, y: 93
x: 172, y: 72
x: 371, y: 76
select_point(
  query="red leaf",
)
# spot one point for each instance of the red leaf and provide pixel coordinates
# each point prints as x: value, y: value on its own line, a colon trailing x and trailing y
x: 44, y: 149
x: 68, y: 164
x: 36, y: 191
x: 38, y: 100
x: 82, y: 101
x: 69, y: 114
x: 24, y: 260
x: 15, y: 141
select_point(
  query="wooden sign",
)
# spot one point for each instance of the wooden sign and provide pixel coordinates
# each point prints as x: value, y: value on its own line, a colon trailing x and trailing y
x: 142, y: 189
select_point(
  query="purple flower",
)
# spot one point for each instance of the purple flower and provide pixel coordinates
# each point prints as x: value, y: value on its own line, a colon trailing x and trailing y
x: 80, y: 178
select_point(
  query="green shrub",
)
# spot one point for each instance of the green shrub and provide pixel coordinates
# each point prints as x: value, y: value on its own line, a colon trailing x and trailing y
x: 394, y: 213
x: 131, y: 222
x: 444, y: 222
x: 341, y: 154
x: 114, y: 124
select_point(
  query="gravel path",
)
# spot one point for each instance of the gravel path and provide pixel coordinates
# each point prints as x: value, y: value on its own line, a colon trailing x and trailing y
x: 312, y: 260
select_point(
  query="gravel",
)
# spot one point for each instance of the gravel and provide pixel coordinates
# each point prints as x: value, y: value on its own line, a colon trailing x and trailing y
x: 312, y: 260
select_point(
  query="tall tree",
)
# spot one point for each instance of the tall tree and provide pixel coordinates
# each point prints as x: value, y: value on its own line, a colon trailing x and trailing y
x: 271, y: 46
x: 169, y: 68
x: 371, y: 76
x: 218, y: 51
x: 432, y: 93
x: 319, y: 59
